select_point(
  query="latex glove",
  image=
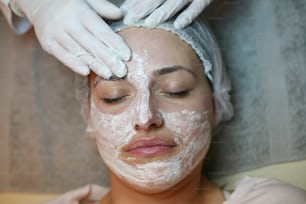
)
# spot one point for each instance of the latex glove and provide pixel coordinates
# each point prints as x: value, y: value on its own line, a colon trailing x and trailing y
x: 88, y: 194
x: 74, y: 33
x: 156, y: 12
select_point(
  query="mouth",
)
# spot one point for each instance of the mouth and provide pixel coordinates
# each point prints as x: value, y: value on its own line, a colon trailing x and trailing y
x: 150, y: 147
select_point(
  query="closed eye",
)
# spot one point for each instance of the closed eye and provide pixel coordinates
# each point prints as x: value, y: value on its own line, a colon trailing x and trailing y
x: 178, y: 94
x: 113, y: 100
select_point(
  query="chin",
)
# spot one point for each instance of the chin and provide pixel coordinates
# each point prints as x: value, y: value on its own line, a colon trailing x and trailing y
x: 156, y: 185
x: 152, y: 188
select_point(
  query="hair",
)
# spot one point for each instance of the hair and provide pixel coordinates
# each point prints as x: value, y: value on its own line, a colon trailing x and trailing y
x: 202, y: 40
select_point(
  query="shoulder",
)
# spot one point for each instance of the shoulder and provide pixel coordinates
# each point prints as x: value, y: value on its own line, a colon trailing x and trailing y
x: 258, y: 190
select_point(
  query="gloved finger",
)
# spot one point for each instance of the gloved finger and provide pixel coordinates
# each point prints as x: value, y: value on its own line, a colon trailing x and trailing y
x: 96, y: 66
x: 140, y: 10
x: 82, y: 55
x: 188, y: 15
x: 97, y: 27
x: 98, y: 50
x: 96, y: 192
x: 105, y: 9
x: 165, y: 11
x: 127, y: 5
x: 68, y: 59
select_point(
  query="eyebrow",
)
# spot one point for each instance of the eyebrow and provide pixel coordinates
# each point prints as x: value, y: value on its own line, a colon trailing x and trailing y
x: 113, y: 78
x: 175, y: 68
x: 156, y: 73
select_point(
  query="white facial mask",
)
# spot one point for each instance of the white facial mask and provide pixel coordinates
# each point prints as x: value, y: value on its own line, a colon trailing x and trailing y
x: 190, y: 130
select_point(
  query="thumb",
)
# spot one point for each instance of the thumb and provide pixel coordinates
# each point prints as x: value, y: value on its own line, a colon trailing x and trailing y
x: 79, y: 194
x: 96, y: 192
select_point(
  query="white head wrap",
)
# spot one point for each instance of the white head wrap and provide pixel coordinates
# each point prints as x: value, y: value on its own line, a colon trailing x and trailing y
x: 199, y: 36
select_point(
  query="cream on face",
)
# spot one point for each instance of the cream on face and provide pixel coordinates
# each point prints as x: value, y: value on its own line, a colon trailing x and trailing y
x: 189, y: 127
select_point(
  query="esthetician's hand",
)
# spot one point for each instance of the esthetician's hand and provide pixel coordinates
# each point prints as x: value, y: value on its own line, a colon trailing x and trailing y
x: 86, y: 195
x: 156, y: 12
x: 74, y: 32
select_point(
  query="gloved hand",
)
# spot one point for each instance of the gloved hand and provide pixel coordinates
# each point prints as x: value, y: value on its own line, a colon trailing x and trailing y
x: 73, y: 32
x: 156, y: 12
x: 88, y: 194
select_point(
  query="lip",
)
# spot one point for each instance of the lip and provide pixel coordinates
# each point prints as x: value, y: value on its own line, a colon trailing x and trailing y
x: 150, y: 147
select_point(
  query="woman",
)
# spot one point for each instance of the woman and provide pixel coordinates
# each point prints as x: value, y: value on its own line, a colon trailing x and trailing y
x: 153, y: 128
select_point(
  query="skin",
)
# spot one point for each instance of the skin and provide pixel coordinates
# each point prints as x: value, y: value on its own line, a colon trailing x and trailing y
x: 158, y: 49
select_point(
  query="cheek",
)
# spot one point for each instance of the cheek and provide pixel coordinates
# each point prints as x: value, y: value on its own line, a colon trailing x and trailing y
x: 111, y: 131
x: 205, y: 103
x: 187, y: 124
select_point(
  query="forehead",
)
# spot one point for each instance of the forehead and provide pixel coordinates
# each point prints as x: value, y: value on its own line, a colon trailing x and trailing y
x: 156, y: 48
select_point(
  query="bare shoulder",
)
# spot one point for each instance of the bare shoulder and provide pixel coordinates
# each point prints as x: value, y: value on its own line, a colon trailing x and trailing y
x: 258, y: 190
x: 106, y: 199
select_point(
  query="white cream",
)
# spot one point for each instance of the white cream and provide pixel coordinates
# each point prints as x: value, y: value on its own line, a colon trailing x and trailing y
x: 190, y: 130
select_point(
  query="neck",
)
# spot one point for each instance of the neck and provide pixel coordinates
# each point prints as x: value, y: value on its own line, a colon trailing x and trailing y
x: 195, y: 189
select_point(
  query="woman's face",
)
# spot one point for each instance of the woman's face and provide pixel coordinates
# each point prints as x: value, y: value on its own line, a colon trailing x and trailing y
x: 153, y: 127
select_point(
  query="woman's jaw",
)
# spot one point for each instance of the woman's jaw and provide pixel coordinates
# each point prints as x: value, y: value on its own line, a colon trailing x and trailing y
x: 154, y: 127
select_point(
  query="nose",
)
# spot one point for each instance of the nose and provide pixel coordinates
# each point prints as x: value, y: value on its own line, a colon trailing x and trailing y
x: 148, y: 116
x: 154, y: 122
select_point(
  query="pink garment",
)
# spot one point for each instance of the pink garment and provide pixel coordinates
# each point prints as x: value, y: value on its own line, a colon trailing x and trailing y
x: 261, y: 190
x: 256, y: 190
